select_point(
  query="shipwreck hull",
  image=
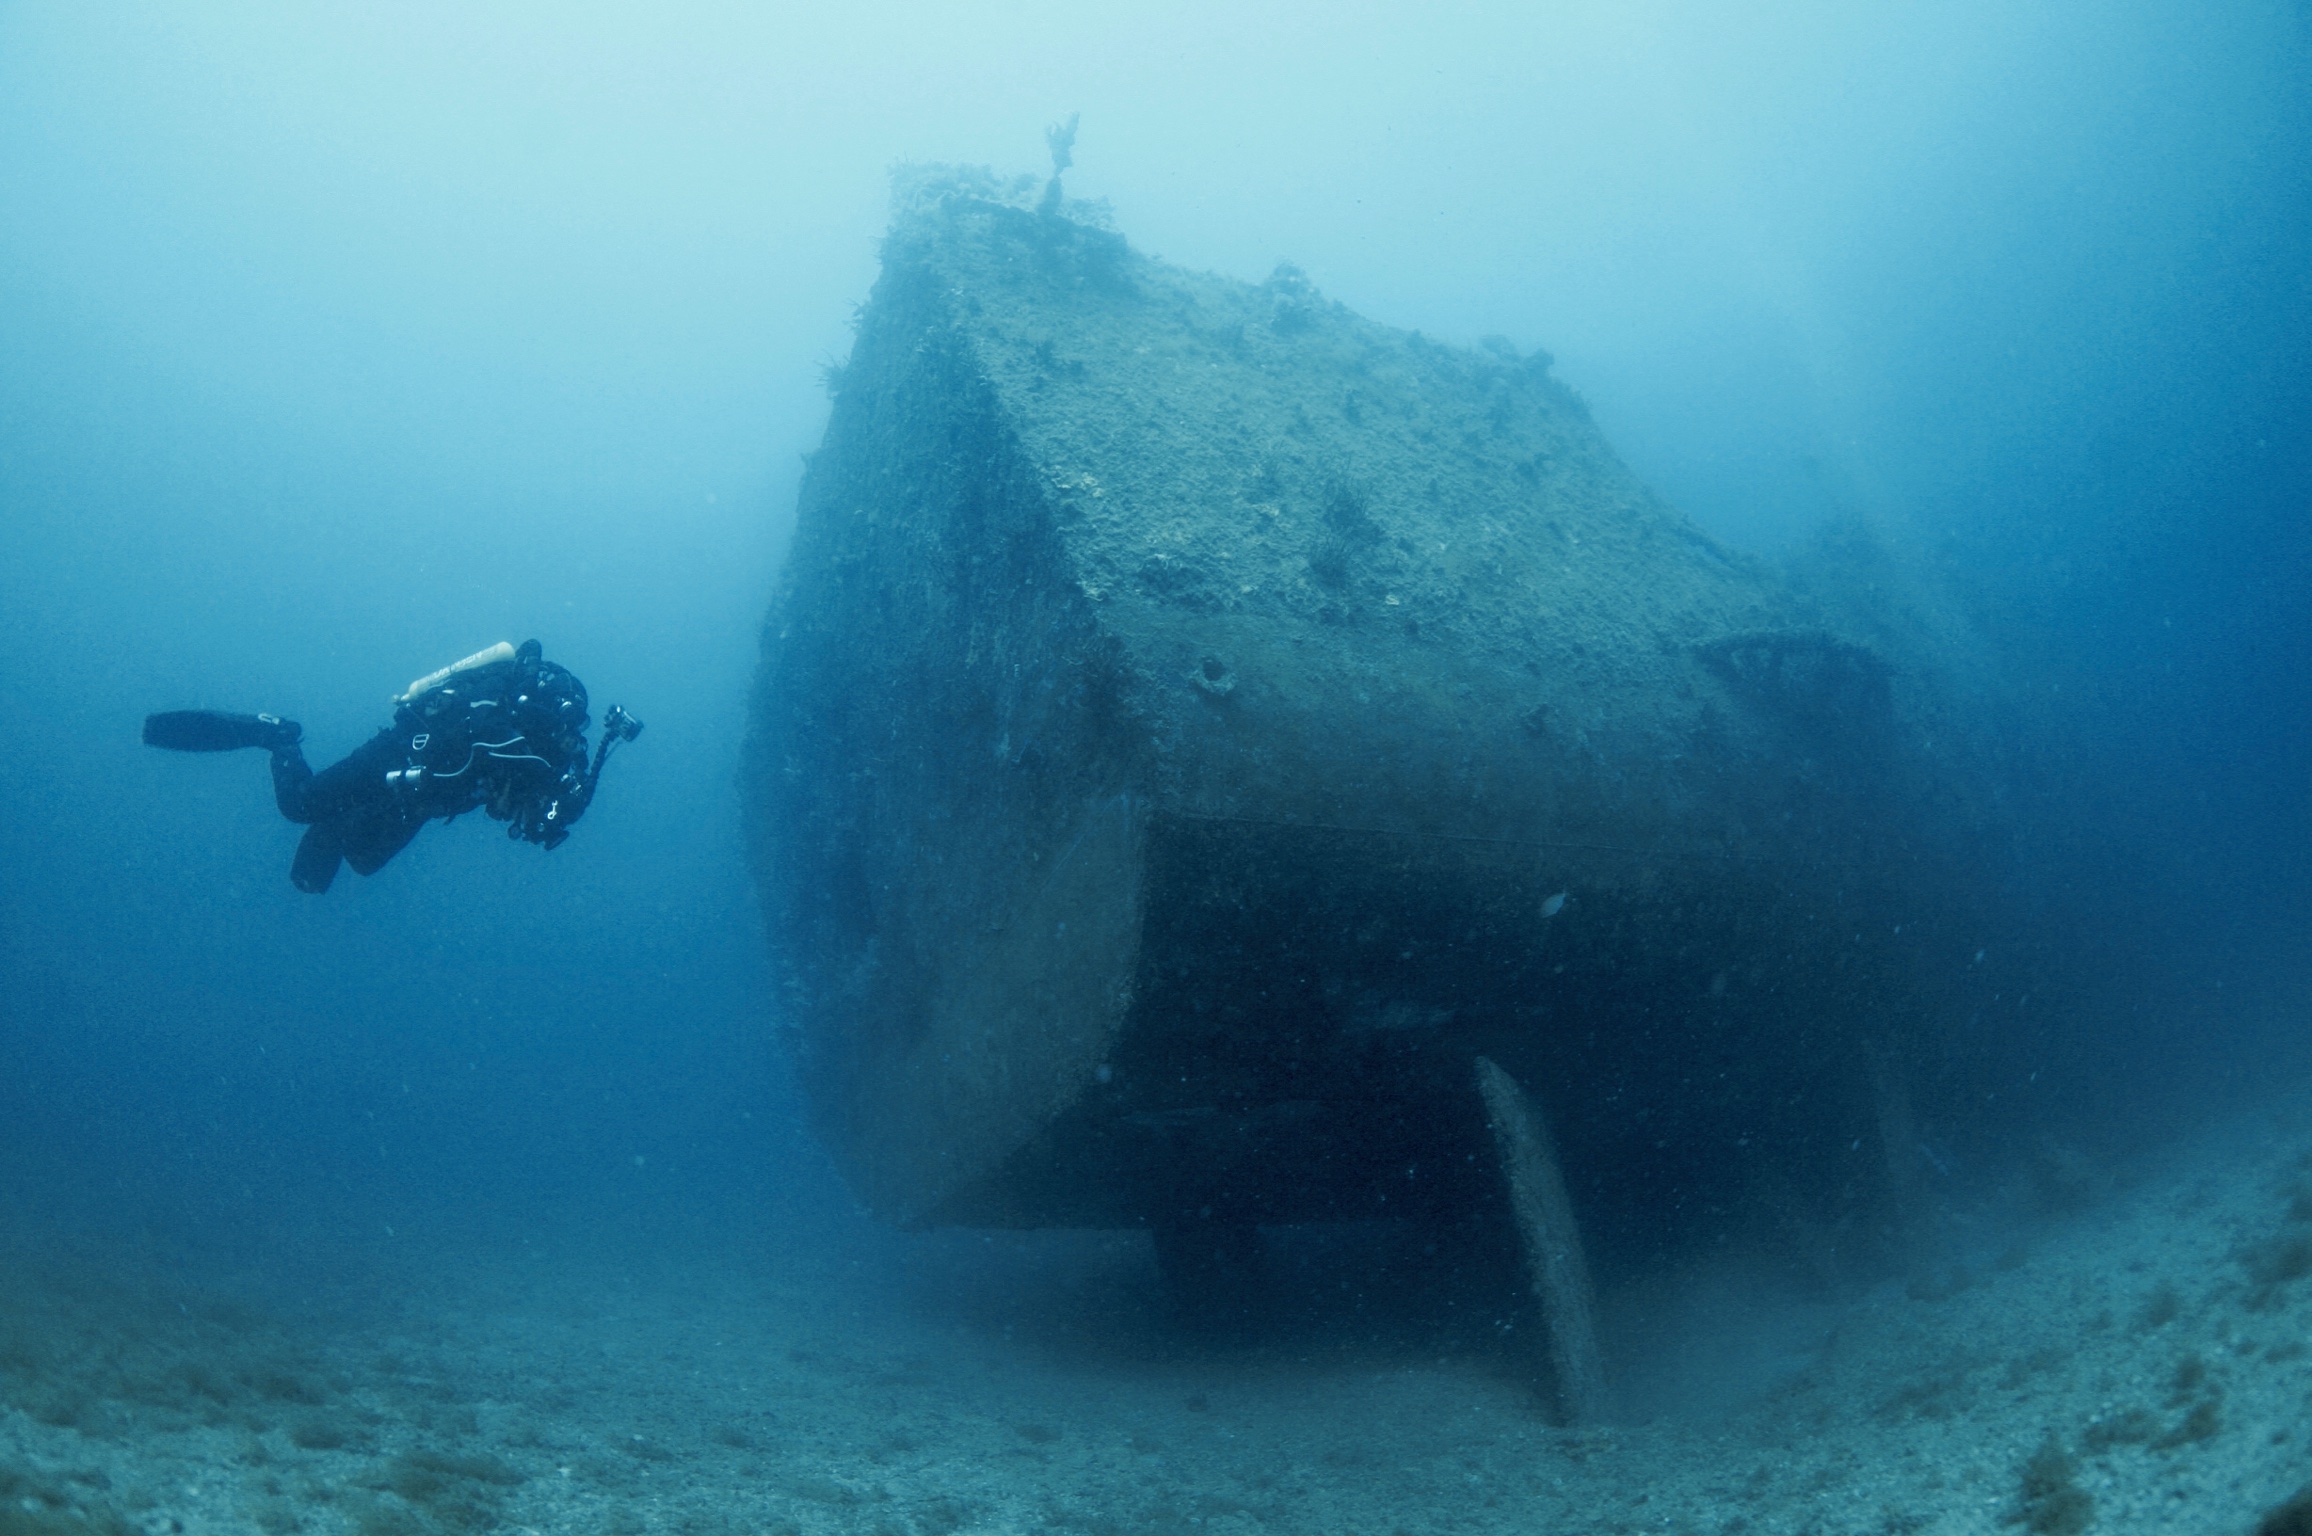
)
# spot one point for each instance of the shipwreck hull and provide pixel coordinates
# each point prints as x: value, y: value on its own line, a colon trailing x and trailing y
x: 1307, y: 1000
x: 1197, y: 724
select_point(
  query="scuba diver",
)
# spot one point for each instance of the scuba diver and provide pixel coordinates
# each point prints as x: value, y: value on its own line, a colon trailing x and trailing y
x: 503, y: 731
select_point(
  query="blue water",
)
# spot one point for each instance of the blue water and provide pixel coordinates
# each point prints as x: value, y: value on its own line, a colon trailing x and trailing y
x: 336, y: 346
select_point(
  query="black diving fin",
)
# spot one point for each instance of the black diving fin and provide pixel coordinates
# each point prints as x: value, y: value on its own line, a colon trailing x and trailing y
x: 213, y: 730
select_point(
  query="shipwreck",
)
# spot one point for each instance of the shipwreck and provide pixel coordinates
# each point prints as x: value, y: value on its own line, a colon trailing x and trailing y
x: 1220, y: 762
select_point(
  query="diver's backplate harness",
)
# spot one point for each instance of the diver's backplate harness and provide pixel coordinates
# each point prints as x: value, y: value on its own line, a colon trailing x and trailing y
x: 503, y: 731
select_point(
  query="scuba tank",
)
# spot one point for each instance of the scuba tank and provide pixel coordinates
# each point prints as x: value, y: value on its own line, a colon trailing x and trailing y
x: 446, y: 719
x: 502, y: 730
x: 488, y: 656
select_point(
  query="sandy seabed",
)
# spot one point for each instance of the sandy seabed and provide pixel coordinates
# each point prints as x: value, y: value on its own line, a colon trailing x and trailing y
x: 2143, y: 1365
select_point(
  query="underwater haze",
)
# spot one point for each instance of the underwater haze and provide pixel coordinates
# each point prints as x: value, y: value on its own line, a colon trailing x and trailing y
x: 339, y: 343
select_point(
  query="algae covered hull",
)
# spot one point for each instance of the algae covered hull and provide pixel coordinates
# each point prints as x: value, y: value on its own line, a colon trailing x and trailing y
x: 1197, y: 722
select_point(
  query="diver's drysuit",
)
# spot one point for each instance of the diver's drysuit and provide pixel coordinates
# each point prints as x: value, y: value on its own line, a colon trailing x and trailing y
x: 503, y: 731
